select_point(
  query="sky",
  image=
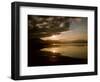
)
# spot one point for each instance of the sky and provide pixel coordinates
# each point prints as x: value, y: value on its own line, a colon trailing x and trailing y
x: 57, y: 27
x: 77, y: 31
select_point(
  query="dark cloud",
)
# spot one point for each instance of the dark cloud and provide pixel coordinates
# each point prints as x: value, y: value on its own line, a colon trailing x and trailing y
x: 44, y: 26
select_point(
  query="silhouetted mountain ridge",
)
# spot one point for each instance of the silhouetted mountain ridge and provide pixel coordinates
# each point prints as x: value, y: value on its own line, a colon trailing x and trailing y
x: 73, y: 41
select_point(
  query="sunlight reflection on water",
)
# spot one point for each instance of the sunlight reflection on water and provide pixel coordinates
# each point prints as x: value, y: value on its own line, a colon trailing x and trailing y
x: 76, y: 51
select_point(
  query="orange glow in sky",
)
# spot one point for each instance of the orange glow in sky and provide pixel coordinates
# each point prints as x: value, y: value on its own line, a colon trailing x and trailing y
x: 53, y: 37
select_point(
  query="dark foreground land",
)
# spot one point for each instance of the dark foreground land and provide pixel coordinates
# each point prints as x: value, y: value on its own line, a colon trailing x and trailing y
x: 48, y: 58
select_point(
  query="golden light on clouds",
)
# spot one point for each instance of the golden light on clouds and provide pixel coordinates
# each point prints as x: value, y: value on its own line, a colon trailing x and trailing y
x: 67, y: 36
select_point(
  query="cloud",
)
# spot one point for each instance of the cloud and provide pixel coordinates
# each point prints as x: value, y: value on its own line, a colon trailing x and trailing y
x: 44, y: 26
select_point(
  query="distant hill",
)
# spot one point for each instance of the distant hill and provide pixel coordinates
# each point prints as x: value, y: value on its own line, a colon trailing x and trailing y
x: 37, y: 43
x: 58, y: 41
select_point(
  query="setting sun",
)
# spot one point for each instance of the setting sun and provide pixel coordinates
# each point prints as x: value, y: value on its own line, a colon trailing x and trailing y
x: 53, y: 37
